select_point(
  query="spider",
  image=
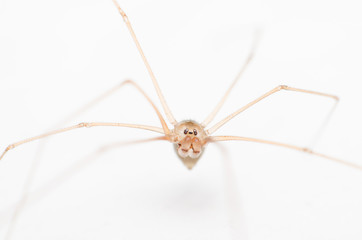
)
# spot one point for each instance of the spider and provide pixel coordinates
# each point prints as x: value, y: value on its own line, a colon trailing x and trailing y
x: 190, y: 137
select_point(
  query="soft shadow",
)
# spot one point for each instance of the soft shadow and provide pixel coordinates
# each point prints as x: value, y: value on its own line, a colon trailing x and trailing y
x: 37, y: 160
x: 36, y: 196
x: 322, y: 128
x: 233, y: 197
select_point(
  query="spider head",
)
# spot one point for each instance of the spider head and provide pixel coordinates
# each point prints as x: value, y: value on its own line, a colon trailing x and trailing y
x: 190, y: 142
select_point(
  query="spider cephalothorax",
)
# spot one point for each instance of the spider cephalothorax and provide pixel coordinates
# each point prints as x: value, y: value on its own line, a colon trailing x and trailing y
x: 190, y: 139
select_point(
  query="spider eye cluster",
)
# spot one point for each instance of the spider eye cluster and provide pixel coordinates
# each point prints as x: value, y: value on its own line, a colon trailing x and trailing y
x: 190, y: 132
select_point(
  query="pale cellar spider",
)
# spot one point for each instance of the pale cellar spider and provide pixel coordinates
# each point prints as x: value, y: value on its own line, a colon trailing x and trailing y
x: 189, y: 137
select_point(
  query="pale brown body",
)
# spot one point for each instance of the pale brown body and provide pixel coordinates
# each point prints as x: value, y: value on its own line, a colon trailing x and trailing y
x: 190, y: 142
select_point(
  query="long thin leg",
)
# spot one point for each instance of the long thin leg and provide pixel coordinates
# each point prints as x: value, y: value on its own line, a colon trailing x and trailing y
x: 306, y: 150
x: 274, y: 90
x: 81, y: 125
x: 165, y: 129
x: 211, y: 116
x: 167, y: 110
x: 322, y: 127
x: 110, y: 92
x: 163, y: 123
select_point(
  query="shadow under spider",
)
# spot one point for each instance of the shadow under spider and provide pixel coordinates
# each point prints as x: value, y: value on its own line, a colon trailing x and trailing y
x: 14, y: 211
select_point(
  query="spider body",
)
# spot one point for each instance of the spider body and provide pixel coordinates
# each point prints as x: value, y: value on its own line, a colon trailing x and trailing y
x: 190, y: 139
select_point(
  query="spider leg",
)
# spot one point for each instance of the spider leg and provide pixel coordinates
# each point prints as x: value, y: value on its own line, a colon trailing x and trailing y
x: 80, y: 125
x: 165, y: 130
x: 109, y: 93
x: 249, y: 58
x: 306, y: 150
x: 265, y: 95
x: 154, y: 81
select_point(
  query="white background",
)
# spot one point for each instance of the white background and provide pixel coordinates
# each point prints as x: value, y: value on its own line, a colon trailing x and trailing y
x: 56, y: 56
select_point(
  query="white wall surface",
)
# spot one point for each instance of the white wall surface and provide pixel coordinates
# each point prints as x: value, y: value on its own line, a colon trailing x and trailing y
x: 56, y: 56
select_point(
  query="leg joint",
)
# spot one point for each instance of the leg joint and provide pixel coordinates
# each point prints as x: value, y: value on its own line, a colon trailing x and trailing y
x: 307, y: 150
x: 84, y: 124
x: 9, y: 147
x: 123, y: 14
x: 127, y: 81
x: 283, y: 87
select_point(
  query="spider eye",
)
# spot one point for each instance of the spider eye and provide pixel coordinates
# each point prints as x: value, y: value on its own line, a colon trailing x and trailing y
x: 195, y: 132
x: 186, y: 131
